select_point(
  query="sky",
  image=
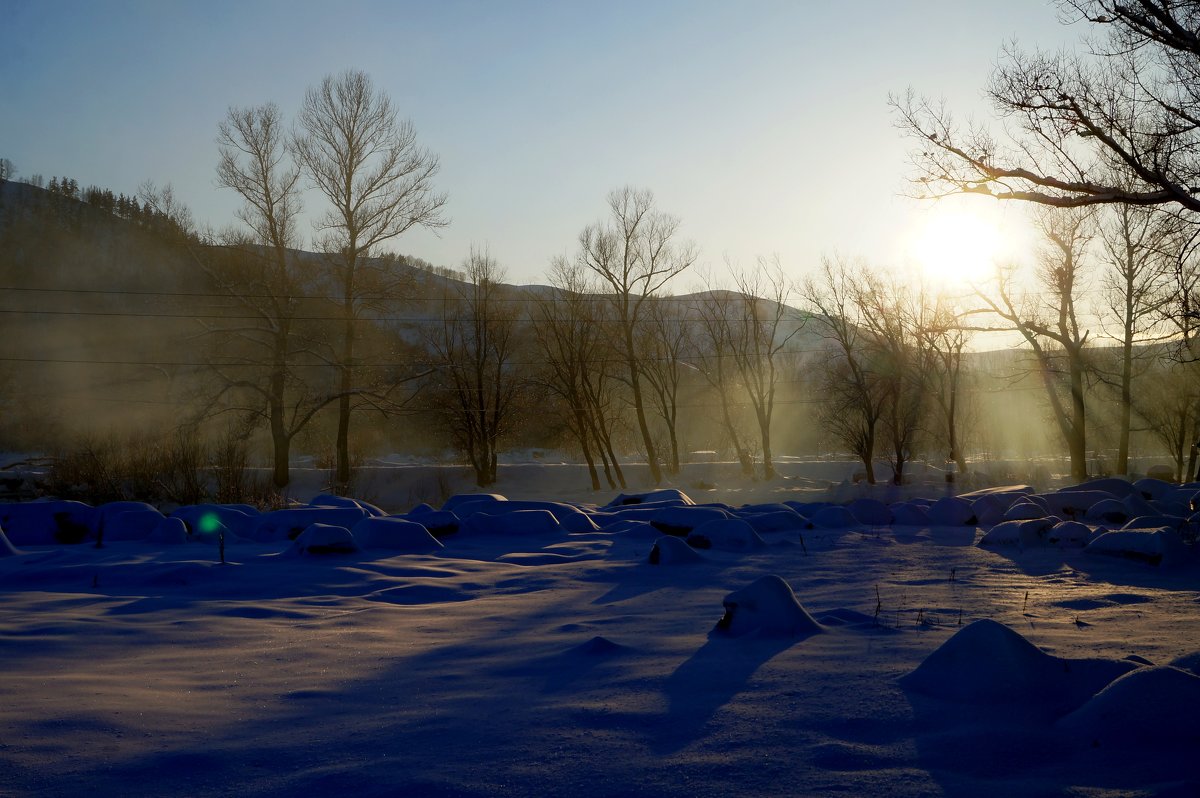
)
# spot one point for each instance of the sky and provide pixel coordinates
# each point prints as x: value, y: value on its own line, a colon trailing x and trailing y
x: 764, y: 126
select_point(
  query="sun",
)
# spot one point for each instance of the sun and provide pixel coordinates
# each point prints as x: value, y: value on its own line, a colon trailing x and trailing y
x: 957, y: 244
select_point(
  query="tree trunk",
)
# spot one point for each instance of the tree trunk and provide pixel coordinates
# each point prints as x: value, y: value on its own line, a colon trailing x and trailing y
x: 764, y: 430
x: 342, y: 471
x: 1078, y: 427
x: 1126, y: 405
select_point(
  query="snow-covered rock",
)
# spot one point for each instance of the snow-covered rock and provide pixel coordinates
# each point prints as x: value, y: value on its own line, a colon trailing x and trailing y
x: 725, y: 534
x: 1107, y: 511
x: 1073, y: 503
x: 205, y: 519
x: 171, y: 531
x: 682, y: 519
x: 769, y: 607
x: 105, y: 513
x: 570, y: 517
x: 1154, y: 489
x: 870, y: 512
x: 1026, y: 534
x: 785, y: 520
x: 670, y: 550
x: 1135, y: 505
x: 664, y: 496
x: 986, y: 662
x: 131, y: 524
x: 394, y: 534
x: 1113, y: 485
x: 330, y: 500
x: 463, y: 498
x: 1026, y: 510
x: 1162, y: 546
x: 909, y: 514
x: 47, y: 522
x: 290, y: 523
x: 951, y: 511
x: 440, y: 523
x: 519, y: 522
x: 1069, y: 533
x: 835, y: 516
x: 320, y: 539
x: 1151, y: 706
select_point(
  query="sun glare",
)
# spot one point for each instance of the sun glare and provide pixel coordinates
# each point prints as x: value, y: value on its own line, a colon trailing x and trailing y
x: 957, y: 244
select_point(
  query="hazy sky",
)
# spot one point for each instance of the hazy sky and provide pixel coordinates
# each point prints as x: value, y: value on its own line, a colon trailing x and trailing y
x: 763, y: 125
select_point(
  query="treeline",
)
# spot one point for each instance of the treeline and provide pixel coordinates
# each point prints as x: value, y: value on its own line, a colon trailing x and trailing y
x: 609, y: 358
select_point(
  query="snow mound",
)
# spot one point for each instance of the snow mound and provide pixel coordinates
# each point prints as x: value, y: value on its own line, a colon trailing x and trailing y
x: 1114, y: 485
x: 394, y: 534
x: 1188, y: 662
x: 1107, y: 511
x: 439, y: 522
x: 568, y: 516
x: 1149, y: 706
x: 170, y: 531
x: 951, y: 511
x: 833, y: 517
x: 909, y: 514
x: 725, y: 534
x: 330, y: 500
x: 870, y: 512
x: 206, y: 518
x: 664, y: 496
x: 1026, y: 510
x: 1069, y: 533
x: 986, y: 662
x: 289, y: 524
x: 1151, y: 488
x: 325, y: 539
x: 131, y: 525
x: 785, y: 520
x: 769, y: 607
x: 1161, y: 546
x: 459, y: 499
x: 669, y: 550
x: 1026, y: 534
x: 681, y: 520
x: 518, y: 522
x: 47, y: 522
x: 1073, y: 502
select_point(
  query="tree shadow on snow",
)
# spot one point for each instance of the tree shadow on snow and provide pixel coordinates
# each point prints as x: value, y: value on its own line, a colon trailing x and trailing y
x: 709, y: 680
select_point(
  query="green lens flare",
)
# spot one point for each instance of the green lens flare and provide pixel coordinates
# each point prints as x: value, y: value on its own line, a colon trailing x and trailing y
x: 209, y: 522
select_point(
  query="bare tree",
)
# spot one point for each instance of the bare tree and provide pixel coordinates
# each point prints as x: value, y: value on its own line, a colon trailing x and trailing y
x: 265, y: 278
x: 635, y: 253
x: 663, y: 340
x: 1048, y: 320
x: 851, y: 395
x: 379, y: 184
x: 474, y: 344
x: 945, y: 338
x: 1169, y: 411
x: 567, y: 332
x: 759, y: 335
x: 713, y: 352
x: 1181, y: 309
x: 1130, y: 105
x: 896, y: 350
x: 1132, y: 240
x: 7, y: 170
